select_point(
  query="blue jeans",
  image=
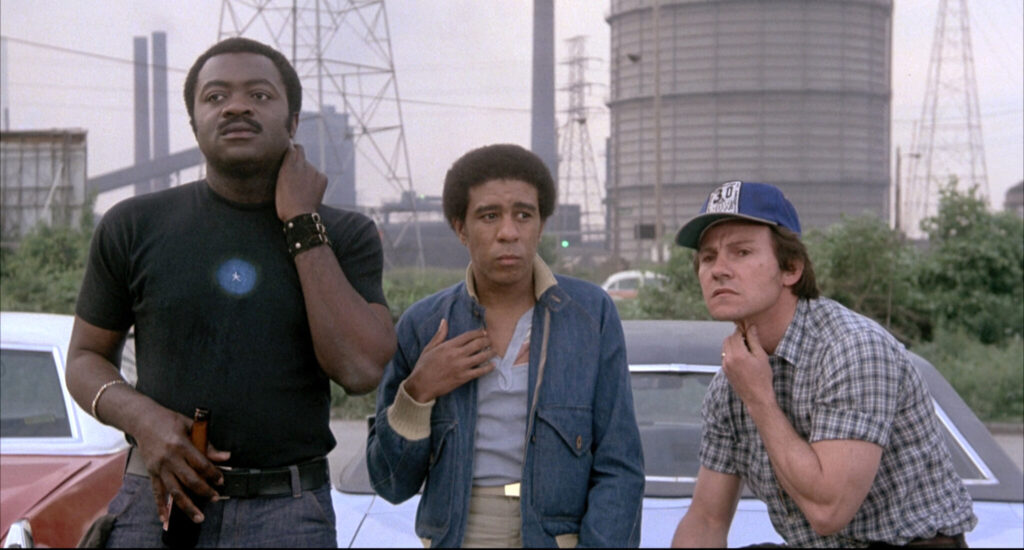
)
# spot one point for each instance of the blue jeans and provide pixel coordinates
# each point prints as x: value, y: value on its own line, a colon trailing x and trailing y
x: 283, y: 522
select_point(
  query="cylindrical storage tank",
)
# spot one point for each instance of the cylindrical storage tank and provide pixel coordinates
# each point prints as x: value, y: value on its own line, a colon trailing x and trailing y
x: 790, y: 92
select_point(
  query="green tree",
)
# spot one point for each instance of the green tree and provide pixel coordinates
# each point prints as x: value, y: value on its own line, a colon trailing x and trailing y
x: 988, y: 377
x: 973, y: 272
x: 863, y: 264
x: 45, y: 272
x: 679, y: 298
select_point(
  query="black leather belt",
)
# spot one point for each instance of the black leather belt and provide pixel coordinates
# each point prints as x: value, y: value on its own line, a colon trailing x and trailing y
x: 258, y: 482
x: 274, y: 482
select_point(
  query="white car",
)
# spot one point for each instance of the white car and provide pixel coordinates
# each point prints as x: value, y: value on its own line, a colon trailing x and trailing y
x: 672, y: 363
x: 625, y: 285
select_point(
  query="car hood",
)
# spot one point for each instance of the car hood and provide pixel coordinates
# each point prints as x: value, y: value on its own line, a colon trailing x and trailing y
x: 27, y: 480
x: 368, y: 521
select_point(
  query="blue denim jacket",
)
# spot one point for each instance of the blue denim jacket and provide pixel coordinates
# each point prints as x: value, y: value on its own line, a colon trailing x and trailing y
x: 583, y: 465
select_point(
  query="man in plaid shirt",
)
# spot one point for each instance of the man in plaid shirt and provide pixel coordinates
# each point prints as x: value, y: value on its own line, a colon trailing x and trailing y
x: 817, y: 408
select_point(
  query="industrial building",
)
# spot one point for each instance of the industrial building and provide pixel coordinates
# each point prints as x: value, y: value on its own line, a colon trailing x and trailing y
x: 338, y: 150
x: 42, y: 180
x: 790, y: 92
x: 1014, y: 200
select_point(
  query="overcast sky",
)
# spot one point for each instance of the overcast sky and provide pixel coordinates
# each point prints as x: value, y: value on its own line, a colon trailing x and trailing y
x: 463, y: 70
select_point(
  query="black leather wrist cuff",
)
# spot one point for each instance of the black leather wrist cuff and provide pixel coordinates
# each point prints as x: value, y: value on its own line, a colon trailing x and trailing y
x: 304, y: 232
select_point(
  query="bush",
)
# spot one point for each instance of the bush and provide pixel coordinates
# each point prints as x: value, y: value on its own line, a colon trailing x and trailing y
x: 351, y: 407
x: 973, y: 273
x: 405, y: 286
x: 989, y: 378
x: 679, y: 298
x: 863, y: 264
x: 45, y: 272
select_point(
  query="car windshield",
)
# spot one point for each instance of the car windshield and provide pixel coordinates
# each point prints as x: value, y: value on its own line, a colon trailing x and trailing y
x: 668, y: 413
x: 30, y: 390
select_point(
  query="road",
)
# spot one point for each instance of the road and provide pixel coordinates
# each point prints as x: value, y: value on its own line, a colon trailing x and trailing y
x: 351, y: 434
x: 1011, y: 438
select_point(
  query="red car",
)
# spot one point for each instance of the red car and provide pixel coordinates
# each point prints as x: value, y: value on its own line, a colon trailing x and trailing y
x: 59, y: 467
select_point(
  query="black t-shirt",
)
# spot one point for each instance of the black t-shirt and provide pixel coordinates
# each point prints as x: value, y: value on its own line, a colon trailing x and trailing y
x: 219, y: 315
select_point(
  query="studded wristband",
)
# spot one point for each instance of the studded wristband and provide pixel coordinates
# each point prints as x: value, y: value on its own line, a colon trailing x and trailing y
x: 304, y: 232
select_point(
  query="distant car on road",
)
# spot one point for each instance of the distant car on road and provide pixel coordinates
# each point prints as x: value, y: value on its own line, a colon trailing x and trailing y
x: 625, y: 285
x: 59, y: 467
x: 671, y: 364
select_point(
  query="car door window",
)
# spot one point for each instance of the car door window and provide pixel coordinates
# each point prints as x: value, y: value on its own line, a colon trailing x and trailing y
x: 32, y: 397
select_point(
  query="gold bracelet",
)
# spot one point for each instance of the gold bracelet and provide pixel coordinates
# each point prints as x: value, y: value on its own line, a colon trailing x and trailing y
x: 99, y: 392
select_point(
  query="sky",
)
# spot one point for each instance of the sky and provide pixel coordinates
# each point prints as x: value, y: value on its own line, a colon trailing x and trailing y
x: 463, y: 69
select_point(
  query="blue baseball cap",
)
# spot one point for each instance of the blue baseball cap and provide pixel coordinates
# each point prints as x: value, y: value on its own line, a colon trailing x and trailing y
x: 756, y: 202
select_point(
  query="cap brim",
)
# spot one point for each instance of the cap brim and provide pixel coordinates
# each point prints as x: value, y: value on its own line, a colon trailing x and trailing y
x: 689, y: 235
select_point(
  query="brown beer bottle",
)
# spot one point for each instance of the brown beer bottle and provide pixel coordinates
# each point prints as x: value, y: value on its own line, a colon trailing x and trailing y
x: 181, y: 531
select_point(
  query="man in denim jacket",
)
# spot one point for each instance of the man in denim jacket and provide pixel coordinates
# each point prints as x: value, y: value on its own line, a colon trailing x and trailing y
x: 509, y: 394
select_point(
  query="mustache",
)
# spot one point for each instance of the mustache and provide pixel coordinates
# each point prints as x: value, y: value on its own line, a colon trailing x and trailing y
x: 240, y: 118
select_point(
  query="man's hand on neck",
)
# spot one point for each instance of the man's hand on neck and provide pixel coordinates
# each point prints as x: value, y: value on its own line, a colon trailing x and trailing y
x: 300, y: 187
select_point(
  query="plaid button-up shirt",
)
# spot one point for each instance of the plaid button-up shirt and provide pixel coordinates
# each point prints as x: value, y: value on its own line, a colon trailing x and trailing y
x: 839, y: 375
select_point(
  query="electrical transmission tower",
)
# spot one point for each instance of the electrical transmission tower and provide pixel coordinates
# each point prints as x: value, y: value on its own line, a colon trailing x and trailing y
x: 947, y: 142
x: 341, y: 50
x: 578, y: 181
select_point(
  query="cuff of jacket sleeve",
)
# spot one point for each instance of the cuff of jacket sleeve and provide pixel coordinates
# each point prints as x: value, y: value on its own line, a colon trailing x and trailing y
x: 408, y: 417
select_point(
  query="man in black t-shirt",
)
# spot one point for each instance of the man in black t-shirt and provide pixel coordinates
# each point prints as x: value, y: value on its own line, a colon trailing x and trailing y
x: 247, y: 296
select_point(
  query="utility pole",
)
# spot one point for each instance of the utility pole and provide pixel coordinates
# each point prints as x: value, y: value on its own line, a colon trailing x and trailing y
x: 5, y: 108
x: 658, y: 222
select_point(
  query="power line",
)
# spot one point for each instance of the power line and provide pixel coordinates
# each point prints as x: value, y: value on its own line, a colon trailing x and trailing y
x: 999, y: 54
x: 328, y: 92
x: 989, y: 114
x: 82, y: 52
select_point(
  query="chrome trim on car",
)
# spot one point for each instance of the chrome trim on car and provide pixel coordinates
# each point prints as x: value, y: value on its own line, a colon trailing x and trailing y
x: 671, y: 479
x: 965, y: 446
x: 674, y: 367
x: 19, y: 535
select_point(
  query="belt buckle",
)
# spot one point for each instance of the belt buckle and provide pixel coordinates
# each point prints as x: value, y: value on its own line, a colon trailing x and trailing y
x: 227, y: 481
x: 512, y: 490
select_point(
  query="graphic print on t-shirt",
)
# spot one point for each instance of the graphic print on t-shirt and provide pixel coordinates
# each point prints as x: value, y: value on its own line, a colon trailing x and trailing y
x: 237, y: 277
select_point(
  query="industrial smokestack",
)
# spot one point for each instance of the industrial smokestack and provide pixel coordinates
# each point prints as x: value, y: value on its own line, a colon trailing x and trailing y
x: 543, y: 132
x: 161, y: 132
x: 5, y: 107
x: 141, y: 109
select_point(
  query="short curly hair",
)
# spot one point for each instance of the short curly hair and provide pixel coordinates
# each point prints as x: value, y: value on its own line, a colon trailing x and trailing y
x: 238, y: 44
x: 491, y: 162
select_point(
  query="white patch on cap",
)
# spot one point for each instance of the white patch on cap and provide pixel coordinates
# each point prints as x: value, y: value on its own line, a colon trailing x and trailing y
x: 725, y: 199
